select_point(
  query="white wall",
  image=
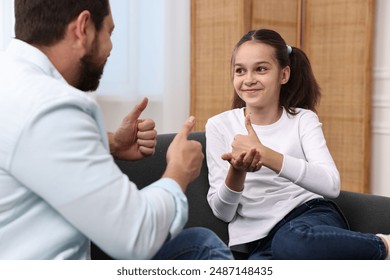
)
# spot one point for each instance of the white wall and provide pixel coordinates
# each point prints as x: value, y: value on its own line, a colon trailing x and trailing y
x: 380, y: 181
x: 6, y: 22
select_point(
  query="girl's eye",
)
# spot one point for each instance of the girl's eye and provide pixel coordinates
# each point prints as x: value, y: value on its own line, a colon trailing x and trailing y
x: 261, y: 69
x: 239, y: 71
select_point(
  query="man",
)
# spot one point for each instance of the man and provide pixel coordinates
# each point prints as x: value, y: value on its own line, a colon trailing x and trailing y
x: 59, y: 185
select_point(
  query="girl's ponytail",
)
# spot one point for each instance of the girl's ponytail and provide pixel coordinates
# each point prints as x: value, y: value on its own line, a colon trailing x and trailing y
x: 302, y: 89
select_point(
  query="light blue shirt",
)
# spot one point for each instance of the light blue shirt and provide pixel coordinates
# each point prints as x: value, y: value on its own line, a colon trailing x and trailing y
x: 59, y: 185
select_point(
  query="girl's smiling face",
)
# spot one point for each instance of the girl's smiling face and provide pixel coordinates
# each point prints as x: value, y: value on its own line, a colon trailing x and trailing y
x: 257, y: 75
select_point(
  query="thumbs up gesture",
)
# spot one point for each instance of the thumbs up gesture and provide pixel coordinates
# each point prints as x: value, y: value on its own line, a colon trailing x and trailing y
x: 135, y: 138
x: 245, y: 155
x: 184, y: 157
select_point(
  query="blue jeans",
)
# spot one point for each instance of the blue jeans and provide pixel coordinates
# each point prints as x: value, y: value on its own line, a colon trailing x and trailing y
x: 316, y: 230
x: 194, y: 243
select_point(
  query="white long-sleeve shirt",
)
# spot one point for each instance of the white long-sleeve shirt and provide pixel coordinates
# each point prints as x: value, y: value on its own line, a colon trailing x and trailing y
x: 59, y: 185
x: 308, y: 172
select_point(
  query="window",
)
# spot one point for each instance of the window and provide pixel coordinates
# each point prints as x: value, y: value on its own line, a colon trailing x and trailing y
x: 136, y: 65
x: 150, y: 57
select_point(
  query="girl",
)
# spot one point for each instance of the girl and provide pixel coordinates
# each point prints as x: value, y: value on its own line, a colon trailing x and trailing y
x: 272, y: 188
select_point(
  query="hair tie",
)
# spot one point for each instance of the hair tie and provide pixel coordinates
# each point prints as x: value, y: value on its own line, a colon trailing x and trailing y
x: 289, y: 49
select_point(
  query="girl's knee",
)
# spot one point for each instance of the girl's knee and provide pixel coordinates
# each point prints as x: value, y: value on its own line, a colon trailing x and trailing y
x: 290, y: 243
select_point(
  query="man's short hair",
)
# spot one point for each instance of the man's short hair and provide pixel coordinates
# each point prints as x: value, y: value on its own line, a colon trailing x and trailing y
x: 43, y: 22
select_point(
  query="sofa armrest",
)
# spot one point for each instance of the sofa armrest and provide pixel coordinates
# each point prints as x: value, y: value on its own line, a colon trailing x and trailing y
x: 365, y: 212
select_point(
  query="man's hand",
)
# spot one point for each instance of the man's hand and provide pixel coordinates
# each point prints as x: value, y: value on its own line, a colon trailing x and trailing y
x: 135, y: 138
x: 184, y: 157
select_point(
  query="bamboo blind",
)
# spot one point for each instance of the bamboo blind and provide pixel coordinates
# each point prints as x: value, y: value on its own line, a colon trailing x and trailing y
x: 338, y: 40
x: 216, y: 26
x: 285, y: 18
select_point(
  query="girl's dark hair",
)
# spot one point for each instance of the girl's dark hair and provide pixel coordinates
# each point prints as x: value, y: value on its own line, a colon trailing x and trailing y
x: 43, y: 22
x: 302, y: 89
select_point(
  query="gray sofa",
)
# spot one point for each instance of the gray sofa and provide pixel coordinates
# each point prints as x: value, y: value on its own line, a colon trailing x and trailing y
x: 364, y: 212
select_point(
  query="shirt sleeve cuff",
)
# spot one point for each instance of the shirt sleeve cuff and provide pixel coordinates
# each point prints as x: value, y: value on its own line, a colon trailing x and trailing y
x: 181, y: 205
x: 229, y: 196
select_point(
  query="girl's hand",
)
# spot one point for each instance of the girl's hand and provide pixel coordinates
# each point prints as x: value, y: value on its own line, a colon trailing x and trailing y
x: 245, y: 153
x: 246, y: 161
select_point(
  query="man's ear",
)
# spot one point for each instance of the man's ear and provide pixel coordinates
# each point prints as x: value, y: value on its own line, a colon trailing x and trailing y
x: 285, y: 75
x: 84, y: 30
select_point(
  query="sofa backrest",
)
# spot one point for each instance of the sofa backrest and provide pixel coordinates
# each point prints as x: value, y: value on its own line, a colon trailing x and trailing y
x: 364, y: 212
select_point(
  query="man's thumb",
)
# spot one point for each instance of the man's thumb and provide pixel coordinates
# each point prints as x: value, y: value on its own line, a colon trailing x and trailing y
x: 188, y: 126
x: 137, y: 110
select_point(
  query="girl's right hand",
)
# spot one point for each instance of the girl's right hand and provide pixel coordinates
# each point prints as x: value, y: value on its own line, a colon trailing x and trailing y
x: 245, y: 161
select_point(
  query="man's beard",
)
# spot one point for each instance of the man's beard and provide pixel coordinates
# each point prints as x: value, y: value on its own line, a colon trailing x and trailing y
x: 90, y: 73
